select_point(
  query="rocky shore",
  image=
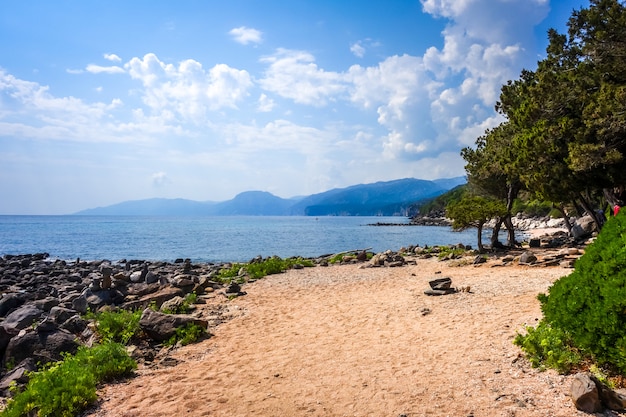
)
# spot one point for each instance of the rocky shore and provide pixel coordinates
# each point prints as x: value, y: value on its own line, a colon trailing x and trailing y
x: 44, y: 301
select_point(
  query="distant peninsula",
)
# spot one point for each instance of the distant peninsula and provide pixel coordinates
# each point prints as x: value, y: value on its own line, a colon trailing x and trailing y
x: 386, y: 198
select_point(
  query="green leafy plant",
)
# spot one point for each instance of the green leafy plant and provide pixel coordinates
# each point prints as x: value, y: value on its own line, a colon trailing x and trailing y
x: 586, y: 310
x: 67, y: 387
x: 117, y: 326
x: 187, y: 334
x: 549, y: 347
x: 255, y: 270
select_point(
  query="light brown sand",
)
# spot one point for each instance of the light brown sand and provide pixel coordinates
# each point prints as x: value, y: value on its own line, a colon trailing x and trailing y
x: 348, y: 341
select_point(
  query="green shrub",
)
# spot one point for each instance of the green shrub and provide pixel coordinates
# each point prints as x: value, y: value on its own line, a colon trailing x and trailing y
x: 68, y: 387
x: 117, y: 326
x: 549, y: 347
x: 589, y: 305
x: 269, y: 266
x: 187, y: 334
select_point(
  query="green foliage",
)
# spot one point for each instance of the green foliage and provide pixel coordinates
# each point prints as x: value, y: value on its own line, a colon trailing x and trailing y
x: 590, y: 303
x: 439, y: 204
x: 549, y: 347
x: 445, y: 251
x: 66, y: 388
x: 474, y: 211
x: 259, y: 269
x: 117, y: 326
x: 533, y: 208
x: 187, y: 334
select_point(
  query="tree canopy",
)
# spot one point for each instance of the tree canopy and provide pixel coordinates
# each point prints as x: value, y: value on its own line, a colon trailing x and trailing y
x: 564, y: 134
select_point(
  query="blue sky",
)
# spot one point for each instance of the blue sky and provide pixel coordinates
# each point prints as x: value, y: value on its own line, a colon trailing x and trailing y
x: 107, y: 101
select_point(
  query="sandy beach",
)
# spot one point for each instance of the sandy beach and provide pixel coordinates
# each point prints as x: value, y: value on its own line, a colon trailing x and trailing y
x: 352, y: 341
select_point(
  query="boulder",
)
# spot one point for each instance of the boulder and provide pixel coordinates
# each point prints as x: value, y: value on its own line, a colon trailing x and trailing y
x: 527, y: 258
x: 585, y: 394
x: 18, y: 375
x: 583, y: 227
x: 161, y: 327
x: 25, y: 316
x: 9, y: 302
x: 43, y: 345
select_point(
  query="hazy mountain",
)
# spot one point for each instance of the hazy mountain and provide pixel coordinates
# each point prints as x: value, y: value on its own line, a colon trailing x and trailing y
x: 380, y: 198
x: 154, y: 207
x: 253, y: 203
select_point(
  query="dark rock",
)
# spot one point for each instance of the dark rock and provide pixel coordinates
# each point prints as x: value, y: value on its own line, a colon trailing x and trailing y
x: 9, y: 302
x: 527, y: 258
x: 583, y: 227
x: 585, y: 394
x: 534, y: 243
x: 157, y: 298
x: 25, y: 316
x: 440, y: 283
x: 18, y: 375
x: 44, y: 346
x: 60, y: 315
x: 162, y: 327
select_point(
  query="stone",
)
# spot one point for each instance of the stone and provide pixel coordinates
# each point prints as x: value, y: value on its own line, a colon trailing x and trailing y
x: 161, y: 327
x: 42, y: 346
x: 534, y: 243
x: 527, y: 258
x: 585, y: 394
x: 9, y: 302
x: 172, y: 304
x: 18, y: 375
x: 583, y: 227
x: 23, y: 317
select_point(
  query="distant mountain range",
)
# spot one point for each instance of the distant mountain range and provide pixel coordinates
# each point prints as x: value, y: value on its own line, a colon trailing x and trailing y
x: 387, y: 198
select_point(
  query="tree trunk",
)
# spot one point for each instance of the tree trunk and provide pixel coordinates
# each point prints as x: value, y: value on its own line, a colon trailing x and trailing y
x: 568, y: 222
x: 495, y: 241
x: 510, y: 230
x: 481, y: 249
x: 511, y: 195
x: 590, y: 211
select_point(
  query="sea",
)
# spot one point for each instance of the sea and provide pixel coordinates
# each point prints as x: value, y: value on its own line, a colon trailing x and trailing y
x: 213, y: 239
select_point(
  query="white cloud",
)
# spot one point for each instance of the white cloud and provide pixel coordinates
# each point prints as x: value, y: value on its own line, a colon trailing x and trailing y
x: 188, y: 89
x: 357, y: 49
x: 266, y: 104
x: 97, y: 69
x: 244, y: 35
x: 160, y: 179
x: 112, y: 57
x: 294, y: 75
x: 35, y: 113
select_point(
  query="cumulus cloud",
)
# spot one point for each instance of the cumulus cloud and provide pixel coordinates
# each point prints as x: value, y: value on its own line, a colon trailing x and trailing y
x: 112, y: 57
x: 266, y: 104
x: 160, y: 179
x: 97, y: 69
x: 357, y: 49
x: 244, y: 35
x: 33, y: 112
x: 187, y: 89
x: 295, y: 75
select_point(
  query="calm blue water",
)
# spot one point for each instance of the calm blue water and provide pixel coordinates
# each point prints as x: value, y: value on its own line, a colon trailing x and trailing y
x: 211, y: 239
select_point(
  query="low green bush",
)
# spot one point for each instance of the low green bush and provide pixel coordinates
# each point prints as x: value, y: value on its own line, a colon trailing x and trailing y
x: 186, y: 335
x: 589, y: 305
x: 66, y: 388
x: 549, y: 347
x: 269, y: 266
x: 117, y: 326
